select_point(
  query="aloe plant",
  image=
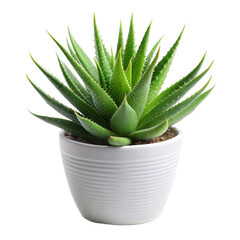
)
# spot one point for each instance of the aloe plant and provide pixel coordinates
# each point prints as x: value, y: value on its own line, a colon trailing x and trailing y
x: 119, y: 98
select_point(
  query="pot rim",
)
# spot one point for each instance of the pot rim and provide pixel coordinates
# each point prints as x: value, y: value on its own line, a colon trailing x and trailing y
x: 169, y: 141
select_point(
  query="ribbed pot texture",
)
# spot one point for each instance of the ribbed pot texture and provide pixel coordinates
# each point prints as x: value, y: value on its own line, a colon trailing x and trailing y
x: 120, y: 185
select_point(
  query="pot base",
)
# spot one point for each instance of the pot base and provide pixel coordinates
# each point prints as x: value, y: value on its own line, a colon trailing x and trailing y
x: 122, y: 223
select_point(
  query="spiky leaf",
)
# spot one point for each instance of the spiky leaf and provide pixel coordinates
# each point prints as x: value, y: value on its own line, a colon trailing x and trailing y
x: 108, y: 56
x: 129, y: 51
x: 119, y: 84
x: 73, y: 82
x: 182, y: 81
x: 75, y: 100
x: 59, y: 107
x: 120, y: 40
x: 72, y: 51
x: 159, y: 104
x: 100, y: 75
x: 95, y: 129
x: 138, y: 62
x: 189, y: 109
x: 124, y: 120
x: 119, y: 141
x: 70, y: 127
x: 102, y: 101
x: 84, y: 59
x: 161, y: 70
x: 112, y: 63
x: 172, y: 111
x: 149, y: 133
x: 137, y: 98
x: 101, y: 55
x: 71, y: 78
x: 150, y: 56
x: 129, y: 73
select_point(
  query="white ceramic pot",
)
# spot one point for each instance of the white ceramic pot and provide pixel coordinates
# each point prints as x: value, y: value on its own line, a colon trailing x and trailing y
x: 120, y: 185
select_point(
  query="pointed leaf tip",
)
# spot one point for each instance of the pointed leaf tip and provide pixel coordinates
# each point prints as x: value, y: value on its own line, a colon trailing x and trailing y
x: 124, y: 120
x: 119, y: 84
x: 129, y: 49
x: 103, y: 56
x: 151, y: 23
x: 83, y: 59
x: 189, y: 109
x: 31, y: 56
x: 139, y: 58
x: 161, y: 70
x: 184, y: 27
x: 30, y: 112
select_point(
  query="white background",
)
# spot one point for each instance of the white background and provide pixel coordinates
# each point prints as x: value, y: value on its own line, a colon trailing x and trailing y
x: 35, y: 202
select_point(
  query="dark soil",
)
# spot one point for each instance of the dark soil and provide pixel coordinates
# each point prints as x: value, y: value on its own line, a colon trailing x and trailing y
x: 170, y: 133
x: 75, y: 138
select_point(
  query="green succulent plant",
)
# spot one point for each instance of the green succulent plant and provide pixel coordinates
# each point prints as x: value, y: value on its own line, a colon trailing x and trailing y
x: 120, y: 100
